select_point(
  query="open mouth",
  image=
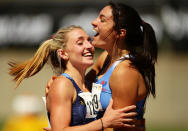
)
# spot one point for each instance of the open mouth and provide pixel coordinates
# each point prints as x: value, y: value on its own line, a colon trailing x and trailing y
x: 95, y: 33
x: 88, y: 54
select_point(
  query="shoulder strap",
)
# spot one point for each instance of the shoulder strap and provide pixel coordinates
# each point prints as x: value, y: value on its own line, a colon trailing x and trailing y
x: 109, y: 72
x: 73, y: 82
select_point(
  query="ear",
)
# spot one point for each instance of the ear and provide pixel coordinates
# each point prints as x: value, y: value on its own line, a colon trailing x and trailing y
x: 122, y: 33
x: 62, y: 54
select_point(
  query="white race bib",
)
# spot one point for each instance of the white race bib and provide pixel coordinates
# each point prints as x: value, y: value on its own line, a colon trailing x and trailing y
x: 96, y: 93
x: 90, y: 111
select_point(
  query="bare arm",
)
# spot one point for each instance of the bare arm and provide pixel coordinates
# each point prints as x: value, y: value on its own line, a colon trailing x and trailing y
x: 124, y: 83
x: 59, y: 101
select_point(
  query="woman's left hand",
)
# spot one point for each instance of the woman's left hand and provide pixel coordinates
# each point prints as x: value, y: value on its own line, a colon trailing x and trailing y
x: 124, y: 117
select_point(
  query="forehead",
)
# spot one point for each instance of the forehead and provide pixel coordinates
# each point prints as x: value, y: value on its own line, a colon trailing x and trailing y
x: 76, y: 34
x: 106, y: 12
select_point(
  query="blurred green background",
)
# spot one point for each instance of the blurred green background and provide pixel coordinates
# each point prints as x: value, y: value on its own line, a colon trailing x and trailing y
x: 25, y: 24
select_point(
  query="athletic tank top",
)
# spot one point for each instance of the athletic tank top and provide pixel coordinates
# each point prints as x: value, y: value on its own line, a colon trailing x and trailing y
x: 80, y: 112
x: 106, y: 93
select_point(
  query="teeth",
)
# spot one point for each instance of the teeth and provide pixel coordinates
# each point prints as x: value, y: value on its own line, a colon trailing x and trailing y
x: 95, y: 33
x: 88, y: 54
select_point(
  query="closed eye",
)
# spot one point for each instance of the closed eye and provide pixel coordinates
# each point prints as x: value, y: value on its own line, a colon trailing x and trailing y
x: 80, y: 43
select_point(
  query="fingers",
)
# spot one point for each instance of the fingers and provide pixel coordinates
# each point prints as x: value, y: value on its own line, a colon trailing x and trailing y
x: 47, y: 129
x: 54, y: 77
x: 129, y: 111
x: 129, y: 115
x: 128, y: 108
x: 49, y: 83
x: 128, y: 120
x: 129, y: 125
x: 46, y: 90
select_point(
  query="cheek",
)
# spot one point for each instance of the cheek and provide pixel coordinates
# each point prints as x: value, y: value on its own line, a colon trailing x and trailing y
x: 105, y: 32
x: 75, y: 52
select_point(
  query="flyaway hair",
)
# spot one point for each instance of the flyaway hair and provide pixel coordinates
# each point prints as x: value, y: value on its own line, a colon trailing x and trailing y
x: 30, y: 67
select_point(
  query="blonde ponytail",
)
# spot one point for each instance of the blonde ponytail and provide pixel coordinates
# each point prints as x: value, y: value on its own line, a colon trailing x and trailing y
x: 30, y: 67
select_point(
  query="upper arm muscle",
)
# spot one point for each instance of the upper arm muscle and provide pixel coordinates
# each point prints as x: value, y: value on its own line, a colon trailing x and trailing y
x: 59, y: 103
x: 124, y: 85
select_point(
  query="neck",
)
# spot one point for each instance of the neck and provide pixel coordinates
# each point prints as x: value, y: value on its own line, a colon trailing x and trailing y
x: 117, y: 51
x: 77, y: 73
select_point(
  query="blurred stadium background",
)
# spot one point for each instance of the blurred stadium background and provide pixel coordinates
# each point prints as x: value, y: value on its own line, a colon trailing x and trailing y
x: 24, y: 24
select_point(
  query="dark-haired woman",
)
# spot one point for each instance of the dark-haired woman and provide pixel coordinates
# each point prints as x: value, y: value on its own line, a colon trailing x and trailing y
x: 126, y: 69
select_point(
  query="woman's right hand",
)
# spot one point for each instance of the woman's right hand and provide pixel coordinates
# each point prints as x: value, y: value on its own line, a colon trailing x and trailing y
x: 124, y: 117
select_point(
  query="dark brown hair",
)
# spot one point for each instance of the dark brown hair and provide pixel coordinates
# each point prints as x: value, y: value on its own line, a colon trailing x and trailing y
x: 140, y: 41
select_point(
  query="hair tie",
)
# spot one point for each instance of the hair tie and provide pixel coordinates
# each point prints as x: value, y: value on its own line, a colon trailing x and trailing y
x: 141, y: 26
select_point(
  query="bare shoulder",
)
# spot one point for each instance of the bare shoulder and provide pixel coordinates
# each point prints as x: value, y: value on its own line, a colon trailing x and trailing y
x: 127, y: 79
x: 125, y: 70
x: 61, y: 85
x: 62, y: 80
x: 124, y: 83
x: 124, y: 78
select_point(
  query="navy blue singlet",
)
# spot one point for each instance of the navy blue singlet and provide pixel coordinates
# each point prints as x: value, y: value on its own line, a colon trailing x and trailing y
x: 106, y: 93
x: 78, y: 107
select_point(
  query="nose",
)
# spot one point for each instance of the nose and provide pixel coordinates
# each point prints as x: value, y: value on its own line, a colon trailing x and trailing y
x: 94, y: 22
x: 89, y: 46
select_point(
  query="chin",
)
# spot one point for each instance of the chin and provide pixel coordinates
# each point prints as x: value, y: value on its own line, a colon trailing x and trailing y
x: 99, y: 44
x: 96, y: 45
x: 90, y: 64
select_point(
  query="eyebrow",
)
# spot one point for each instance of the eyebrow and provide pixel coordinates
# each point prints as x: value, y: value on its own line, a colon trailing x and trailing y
x: 82, y: 38
x: 103, y: 16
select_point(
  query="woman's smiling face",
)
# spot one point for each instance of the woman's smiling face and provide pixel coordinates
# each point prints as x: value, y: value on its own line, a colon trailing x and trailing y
x: 79, y: 49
